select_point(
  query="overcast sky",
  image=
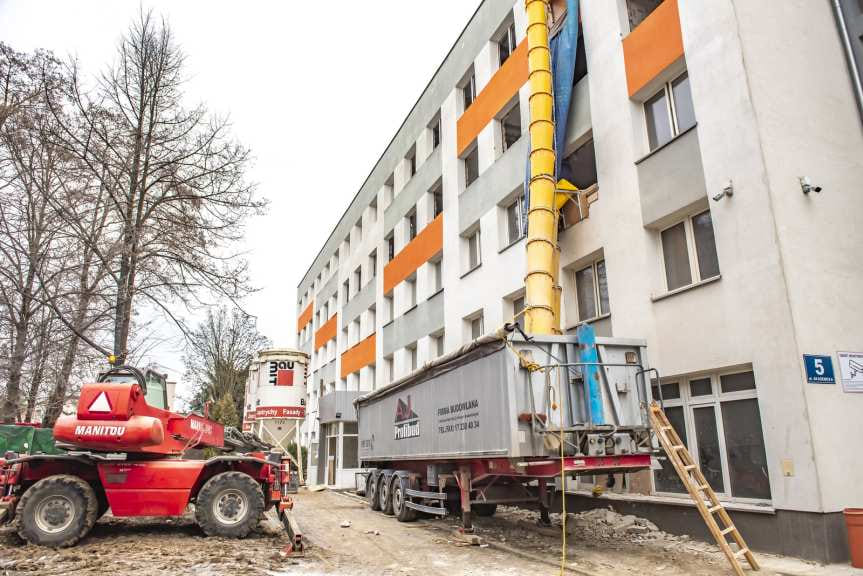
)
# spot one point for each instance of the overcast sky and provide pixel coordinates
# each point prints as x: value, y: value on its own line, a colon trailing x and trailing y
x: 315, y: 89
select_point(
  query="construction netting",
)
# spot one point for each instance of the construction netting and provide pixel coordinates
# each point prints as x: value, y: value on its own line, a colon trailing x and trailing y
x: 27, y: 440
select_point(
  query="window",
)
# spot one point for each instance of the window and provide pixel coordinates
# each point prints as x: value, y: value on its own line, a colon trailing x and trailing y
x: 468, y: 91
x: 437, y: 276
x: 474, y: 251
x: 373, y: 264
x: 358, y: 279
x: 517, y: 311
x: 580, y: 166
x: 639, y: 10
x: 471, y: 166
x: 349, y: 445
x: 476, y: 327
x: 437, y: 199
x: 510, y: 126
x: 591, y: 288
x: 412, y: 162
x: 669, y: 112
x: 506, y: 45
x: 718, y: 418
x: 687, y: 246
x: 388, y: 308
x: 388, y: 369
x: 437, y: 345
x: 373, y: 210
x: 391, y: 247
x: 435, y: 134
x: 411, y: 284
x: 346, y: 291
x: 515, y: 220
x: 412, y: 224
x: 371, y: 321
x: 412, y: 356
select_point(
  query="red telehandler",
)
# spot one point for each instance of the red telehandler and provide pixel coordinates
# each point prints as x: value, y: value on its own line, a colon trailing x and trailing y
x: 124, y: 454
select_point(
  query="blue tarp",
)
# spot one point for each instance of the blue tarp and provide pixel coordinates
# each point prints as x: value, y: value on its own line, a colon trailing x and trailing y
x: 563, y: 53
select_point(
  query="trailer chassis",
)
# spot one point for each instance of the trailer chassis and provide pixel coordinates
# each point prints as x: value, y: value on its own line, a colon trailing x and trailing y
x: 478, y: 485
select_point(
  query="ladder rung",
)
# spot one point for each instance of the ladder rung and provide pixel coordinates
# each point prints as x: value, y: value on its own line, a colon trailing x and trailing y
x: 704, y: 487
x: 689, y: 467
x: 666, y: 428
x: 728, y: 530
x: 715, y: 509
x: 680, y: 447
x: 742, y: 552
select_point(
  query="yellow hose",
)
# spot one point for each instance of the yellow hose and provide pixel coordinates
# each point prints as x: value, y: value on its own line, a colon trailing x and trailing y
x: 541, y: 278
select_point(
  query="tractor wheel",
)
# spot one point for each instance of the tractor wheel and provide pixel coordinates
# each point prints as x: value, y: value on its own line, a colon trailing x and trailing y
x: 385, y: 489
x: 372, y: 493
x: 399, y: 500
x: 57, y: 511
x: 484, y: 509
x: 230, y: 504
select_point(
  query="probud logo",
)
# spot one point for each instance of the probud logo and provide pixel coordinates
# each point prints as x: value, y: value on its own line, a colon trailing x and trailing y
x: 407, y: 424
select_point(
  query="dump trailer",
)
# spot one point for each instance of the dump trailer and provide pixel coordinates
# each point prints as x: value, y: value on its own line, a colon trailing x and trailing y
x: 117, y: 451
x: 501, y: 420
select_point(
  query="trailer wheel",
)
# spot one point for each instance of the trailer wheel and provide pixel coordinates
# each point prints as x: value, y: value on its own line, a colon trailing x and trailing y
x: 399, y: 500
x: 57, y: 511
x: 372, y: 493
x: 385, y: 494
x: 230, y: 504
x: 484, y: 509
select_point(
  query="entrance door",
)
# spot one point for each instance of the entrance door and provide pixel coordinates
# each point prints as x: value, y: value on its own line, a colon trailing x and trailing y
x: 332, y: 461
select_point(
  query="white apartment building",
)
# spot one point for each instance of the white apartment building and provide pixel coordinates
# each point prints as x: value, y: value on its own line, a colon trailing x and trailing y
x: 726, y: 228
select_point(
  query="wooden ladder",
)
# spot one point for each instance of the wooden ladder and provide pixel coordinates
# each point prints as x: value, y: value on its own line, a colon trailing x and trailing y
x: 702, y: 494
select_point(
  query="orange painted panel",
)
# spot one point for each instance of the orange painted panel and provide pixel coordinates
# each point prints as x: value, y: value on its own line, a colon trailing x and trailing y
x: 305, y: 317
x: 359, y: 355
x: 653, y: 46
x: 499, y: 90
x: 426, y: 244
x: 326, y: 332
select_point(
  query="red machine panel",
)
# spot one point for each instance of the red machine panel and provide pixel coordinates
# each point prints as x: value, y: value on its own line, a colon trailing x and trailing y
x: 151, y: 488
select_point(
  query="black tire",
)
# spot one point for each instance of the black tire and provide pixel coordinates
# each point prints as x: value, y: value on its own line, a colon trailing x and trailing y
x: 372, y: 493
x: 385, y: 490
x: 230, y: 504
x: 57, y: 511
x: 484, y: 509
x: 102, y: 500
x: 399, y: 499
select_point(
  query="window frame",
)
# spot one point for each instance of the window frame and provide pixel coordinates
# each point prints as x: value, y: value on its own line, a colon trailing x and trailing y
x: 468, y: 88
x: 597, y: 299
x: 509, y: 38
x: 690, y: 403
x: 473, y: 266
x: 515, y: 108
x: 667, y: 90
x: 518, y: 203
x: 691, y: 252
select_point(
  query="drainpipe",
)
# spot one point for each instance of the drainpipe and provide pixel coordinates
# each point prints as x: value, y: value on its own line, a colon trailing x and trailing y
x: 541, y: 278
x: 849, y: 54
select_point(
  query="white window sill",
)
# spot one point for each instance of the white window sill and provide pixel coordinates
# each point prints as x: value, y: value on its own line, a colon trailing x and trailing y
x: 682, y: 500
x: 688, y: 287
x: 471, y: 270
x: 589, y: 321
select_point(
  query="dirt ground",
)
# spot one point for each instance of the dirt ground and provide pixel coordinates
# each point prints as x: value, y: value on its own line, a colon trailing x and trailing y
x: 599, y: 544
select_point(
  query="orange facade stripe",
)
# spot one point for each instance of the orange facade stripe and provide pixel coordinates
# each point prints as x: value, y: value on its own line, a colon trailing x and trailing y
x: 496, y: 94
x: 360, y: 355
x: 326, y: 332
x: 305, y: 317
x: 653, y: 46
x: 426, y: 244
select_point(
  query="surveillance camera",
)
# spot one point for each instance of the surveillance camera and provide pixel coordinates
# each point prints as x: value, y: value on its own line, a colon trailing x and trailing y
x: 718, y: 197
x: 807, y: 186
x: 727, y: 191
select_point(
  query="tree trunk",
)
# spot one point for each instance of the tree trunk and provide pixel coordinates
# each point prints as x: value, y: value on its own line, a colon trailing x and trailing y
x: 40, y: 358
x: 12, y: 401
x: 54, y: 405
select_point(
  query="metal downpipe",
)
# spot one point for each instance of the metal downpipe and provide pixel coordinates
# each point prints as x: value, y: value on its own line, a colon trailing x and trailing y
x: 849, y: 54
x: 541, y: 279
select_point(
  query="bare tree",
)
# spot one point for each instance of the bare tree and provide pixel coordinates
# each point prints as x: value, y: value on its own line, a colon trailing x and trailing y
x: 218, y: 355
x: 30, y: 168
x: 174, y: 179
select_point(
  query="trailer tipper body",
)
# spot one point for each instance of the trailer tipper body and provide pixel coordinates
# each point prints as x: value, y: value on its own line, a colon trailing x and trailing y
x: 500, y: 419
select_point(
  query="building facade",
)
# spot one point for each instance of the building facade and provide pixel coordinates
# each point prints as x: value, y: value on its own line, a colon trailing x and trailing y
x: 719, y: 148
